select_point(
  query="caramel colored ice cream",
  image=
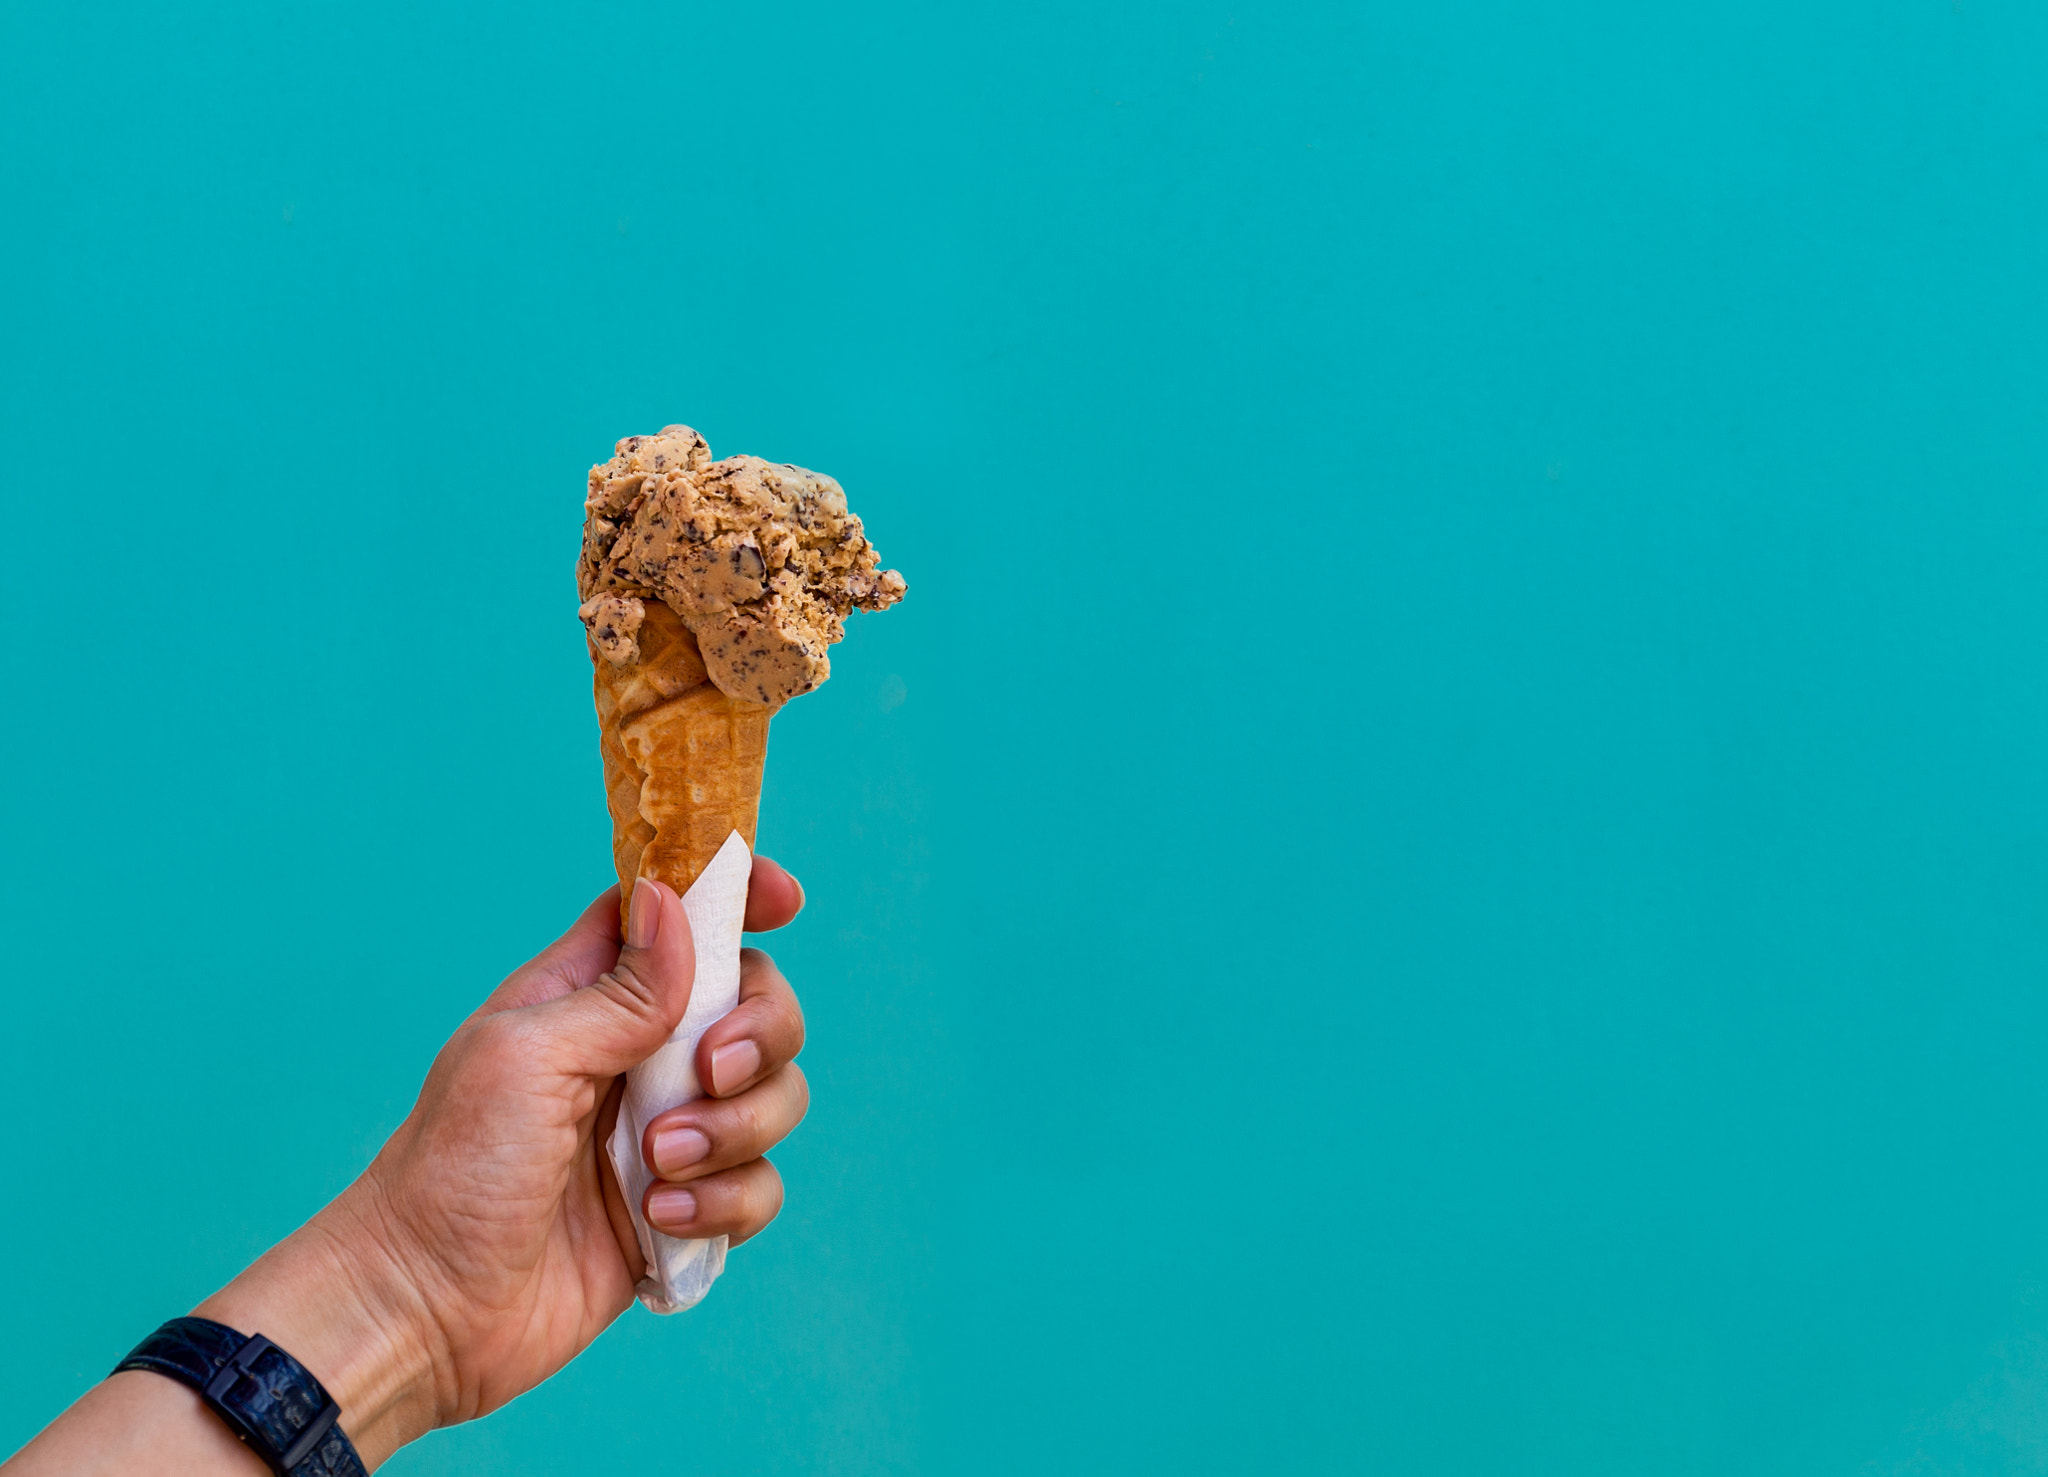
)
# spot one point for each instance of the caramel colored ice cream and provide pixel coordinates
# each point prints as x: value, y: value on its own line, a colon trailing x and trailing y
x: 761, y: 561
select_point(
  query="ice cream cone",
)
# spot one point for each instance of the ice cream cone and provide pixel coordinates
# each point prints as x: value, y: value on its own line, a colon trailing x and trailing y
x: 700, y: 580
x: 682, y: 760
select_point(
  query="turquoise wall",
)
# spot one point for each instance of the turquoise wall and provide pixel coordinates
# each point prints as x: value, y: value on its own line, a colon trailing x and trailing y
x: 1445, y: 870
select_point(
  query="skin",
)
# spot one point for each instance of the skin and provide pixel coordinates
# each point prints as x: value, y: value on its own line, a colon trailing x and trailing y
x: 486, y: 1245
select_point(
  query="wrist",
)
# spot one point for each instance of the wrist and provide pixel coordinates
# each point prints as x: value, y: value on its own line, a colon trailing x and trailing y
x: 337, y: 1297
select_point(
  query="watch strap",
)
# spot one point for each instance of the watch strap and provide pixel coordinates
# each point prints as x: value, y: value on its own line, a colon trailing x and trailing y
x: 267, y: 1398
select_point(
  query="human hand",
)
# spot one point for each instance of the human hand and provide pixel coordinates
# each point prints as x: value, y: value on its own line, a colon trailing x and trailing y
x: 487, y: 1243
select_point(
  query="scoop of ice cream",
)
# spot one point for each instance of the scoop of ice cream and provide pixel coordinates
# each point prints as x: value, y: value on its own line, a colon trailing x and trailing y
x: 762, y: 561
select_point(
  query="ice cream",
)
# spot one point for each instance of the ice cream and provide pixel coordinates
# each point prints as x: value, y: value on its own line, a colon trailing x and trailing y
x: 711, y: 591
x: 761, y: 561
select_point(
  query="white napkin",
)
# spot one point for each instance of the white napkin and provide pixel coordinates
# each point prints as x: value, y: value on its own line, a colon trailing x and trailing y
x: 679, y: 1273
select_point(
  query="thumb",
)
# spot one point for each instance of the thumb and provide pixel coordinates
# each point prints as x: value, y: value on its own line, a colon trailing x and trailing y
x: 623, y: 1016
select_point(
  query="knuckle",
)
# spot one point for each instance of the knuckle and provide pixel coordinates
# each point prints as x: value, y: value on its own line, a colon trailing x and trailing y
x: 746, y: 1122
x: 624, y: 987
x: 501, y: 1040
x: 715, y: 1201
x: 746, y: 1197
x: 758, y: 974
x: 756, y: 1199
x: 790, y: 1020
x: 768, y: 1194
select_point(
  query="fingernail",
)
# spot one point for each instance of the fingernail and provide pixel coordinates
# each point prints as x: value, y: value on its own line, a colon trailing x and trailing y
x: 671, y: 1206
x: 732, y: 1064
x: 643, y: 919
x: 678, y: 1148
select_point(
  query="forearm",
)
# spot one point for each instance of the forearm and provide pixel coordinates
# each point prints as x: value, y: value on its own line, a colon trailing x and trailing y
x: 136, y: 1422
x: 313, y: 1298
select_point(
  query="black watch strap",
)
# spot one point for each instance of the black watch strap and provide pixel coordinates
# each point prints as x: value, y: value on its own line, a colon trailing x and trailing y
x: 268, y: 1399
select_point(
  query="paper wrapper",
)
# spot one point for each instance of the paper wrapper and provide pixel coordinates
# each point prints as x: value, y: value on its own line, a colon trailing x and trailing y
x: 679, y: 1273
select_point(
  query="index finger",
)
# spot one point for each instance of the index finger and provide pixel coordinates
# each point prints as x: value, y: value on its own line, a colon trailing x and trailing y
x: 773, y: 896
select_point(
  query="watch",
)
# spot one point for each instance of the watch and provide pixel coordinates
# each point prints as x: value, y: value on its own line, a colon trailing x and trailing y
x: 269, y: 1400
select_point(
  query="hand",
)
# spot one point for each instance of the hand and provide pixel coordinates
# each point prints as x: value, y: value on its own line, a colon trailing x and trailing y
x: 487, y: 1244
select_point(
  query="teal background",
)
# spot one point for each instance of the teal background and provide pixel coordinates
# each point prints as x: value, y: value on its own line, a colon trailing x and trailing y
x: 1442, y: 872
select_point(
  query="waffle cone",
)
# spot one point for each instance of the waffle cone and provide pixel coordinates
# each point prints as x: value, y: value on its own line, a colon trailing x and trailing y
x: 682, y: 761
